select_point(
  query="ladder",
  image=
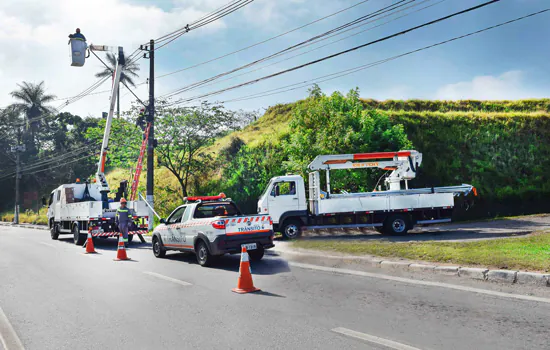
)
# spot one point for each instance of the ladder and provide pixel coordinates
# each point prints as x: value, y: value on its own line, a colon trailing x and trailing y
x: 135, y: 182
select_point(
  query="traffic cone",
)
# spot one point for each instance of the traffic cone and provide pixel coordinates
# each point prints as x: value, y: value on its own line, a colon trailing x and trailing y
x: 245, y: 284
x: 121, y: 251
x: 90, y: 244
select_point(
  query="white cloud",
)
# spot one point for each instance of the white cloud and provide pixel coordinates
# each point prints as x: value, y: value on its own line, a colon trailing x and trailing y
x: 33, y: 37
x: 507, y: 86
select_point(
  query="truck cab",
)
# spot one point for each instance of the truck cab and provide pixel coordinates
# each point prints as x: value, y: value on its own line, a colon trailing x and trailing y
x: 285, y: 201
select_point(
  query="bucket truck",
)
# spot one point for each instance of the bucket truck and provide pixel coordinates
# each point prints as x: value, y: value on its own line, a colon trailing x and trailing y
x: 395, y: 210
x: 79, y: 208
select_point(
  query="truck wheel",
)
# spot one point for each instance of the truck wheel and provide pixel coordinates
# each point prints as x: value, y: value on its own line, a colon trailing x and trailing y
x: 54, y: 231
x: 158, y: 249
x: 257, y: 254
x: 396, y: 225
x: 204, y: 258
x: 78, y: 238
x: 292, y: 229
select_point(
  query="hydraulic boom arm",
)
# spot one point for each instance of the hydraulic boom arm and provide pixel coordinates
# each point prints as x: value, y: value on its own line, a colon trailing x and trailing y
x: 403, y: 164
x: 100, y: 174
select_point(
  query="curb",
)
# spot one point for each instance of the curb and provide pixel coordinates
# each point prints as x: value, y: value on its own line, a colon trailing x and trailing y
x: 36, y: 227
x: 483, y: 274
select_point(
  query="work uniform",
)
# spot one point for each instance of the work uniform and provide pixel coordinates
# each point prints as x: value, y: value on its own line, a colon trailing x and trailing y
x: 77, y: 36
x: 123, y: 220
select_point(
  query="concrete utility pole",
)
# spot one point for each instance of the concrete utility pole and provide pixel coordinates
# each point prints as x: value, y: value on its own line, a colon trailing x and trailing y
x: 151, y: 141
x: 17, y: 149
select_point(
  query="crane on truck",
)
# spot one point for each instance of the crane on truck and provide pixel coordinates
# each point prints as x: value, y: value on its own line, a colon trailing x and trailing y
x: 395, y: 210
x: 82, y: 208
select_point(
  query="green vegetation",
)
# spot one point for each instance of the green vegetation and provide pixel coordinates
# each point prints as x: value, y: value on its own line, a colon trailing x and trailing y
x: 525, y: 253
x: 497, y: 146
x: 27, y: 217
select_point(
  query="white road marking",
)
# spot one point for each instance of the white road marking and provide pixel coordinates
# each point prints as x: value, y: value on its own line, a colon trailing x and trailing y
x: 421, y: 283
x: 373, y: 339
x: 48, y: 244
x: 183, y: 283
x: 8, y: 337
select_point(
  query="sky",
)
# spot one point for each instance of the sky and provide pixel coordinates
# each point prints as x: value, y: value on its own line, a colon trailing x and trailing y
x: 509, y: 62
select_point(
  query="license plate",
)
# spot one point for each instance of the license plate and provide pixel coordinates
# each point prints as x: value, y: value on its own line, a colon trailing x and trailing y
x: 249, y: 246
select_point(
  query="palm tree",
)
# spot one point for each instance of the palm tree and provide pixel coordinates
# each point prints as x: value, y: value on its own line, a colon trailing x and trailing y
x: 127, y: 75
x: 31, y: 103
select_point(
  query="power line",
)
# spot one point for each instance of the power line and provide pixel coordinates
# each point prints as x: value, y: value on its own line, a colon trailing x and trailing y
x: 332, y: 42
x: 46, y: 161
x: 262, y: 42
x: 338, y: 53
x: 370, y: 15
x: 213, y: 16
x: 64, y: 162
x: 372, y: 64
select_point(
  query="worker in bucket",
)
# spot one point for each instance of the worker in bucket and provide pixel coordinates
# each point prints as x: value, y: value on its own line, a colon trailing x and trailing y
x: 123, y: 220
x: 77, y: 35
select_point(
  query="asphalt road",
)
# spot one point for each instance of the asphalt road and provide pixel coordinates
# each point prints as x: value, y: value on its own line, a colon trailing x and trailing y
x: 55, y: 297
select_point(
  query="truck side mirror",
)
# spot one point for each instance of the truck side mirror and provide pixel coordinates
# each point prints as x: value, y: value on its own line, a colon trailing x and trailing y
x: 162, y: 221
x: 44, y: 202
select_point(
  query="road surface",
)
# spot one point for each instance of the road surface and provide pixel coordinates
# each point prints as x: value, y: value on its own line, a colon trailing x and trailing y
x: 52, y: 296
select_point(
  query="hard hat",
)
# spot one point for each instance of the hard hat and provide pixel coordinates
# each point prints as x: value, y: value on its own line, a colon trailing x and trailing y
x: 123, y: 200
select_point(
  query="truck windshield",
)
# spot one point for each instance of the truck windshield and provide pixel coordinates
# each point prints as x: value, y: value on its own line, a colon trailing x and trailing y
x: 210, y: 210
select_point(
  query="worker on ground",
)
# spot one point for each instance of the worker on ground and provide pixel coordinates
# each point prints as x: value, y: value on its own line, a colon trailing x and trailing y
x: 77, y: 35
x: 123, y: 220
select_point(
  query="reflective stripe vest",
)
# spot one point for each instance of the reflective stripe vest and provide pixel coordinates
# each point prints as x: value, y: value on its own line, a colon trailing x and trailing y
x: 123, y: 216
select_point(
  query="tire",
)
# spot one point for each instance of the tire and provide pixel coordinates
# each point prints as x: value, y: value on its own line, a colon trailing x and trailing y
x: 204, y: 258
x: 257, y: 254
x: 396, y: 225
x: 158, y: 250
x: 292, y: 229
x: 78, y: 238
x: 54, y: 231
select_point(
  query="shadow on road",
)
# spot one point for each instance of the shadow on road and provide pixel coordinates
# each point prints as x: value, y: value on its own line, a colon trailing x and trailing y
x: 111, y: 244
x: 450, y: 232
x: 269, y: 265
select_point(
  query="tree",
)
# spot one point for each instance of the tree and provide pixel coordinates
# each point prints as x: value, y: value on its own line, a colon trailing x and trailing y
x: 127, y: 76
x: 182, y: 135
x: 31, y: 100
x: 338, y: 124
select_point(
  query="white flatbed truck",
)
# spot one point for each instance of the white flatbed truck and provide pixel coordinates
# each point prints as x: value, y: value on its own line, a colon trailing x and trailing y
x: 82, y: 208
x: 393, y: 211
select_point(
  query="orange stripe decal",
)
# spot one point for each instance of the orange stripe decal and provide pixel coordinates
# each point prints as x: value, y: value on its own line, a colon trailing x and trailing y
x: 179, y: 246
x: 247, y: 232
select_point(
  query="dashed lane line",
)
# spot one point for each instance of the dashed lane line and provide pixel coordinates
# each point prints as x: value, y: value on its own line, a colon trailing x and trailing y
x: 421, y: 283
x: 166, y: 278
x: 8, y: 337
x: 373, y: 339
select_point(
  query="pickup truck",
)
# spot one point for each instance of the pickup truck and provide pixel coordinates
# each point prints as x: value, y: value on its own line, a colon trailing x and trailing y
x: 211, y: 226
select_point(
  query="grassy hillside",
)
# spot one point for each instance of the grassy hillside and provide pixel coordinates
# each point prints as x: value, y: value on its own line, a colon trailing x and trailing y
x: 498, y: 146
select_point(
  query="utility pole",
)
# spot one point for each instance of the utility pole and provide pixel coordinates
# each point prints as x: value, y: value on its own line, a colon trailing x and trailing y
x: 17, y: 149
x: 151, y: 140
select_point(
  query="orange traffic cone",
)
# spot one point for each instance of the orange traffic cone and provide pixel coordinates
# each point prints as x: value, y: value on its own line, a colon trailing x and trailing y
x: 90, y: 244
x: 121, y: 251
x: 245, y: 284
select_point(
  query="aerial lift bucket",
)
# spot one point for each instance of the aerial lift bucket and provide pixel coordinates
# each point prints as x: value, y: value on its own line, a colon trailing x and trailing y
x: 78, y: 52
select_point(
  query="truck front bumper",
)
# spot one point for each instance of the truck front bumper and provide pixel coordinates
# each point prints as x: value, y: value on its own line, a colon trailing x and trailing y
x: 232, y: 244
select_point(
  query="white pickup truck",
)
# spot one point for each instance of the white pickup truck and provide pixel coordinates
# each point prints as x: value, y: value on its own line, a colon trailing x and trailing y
x: 211, y: 226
